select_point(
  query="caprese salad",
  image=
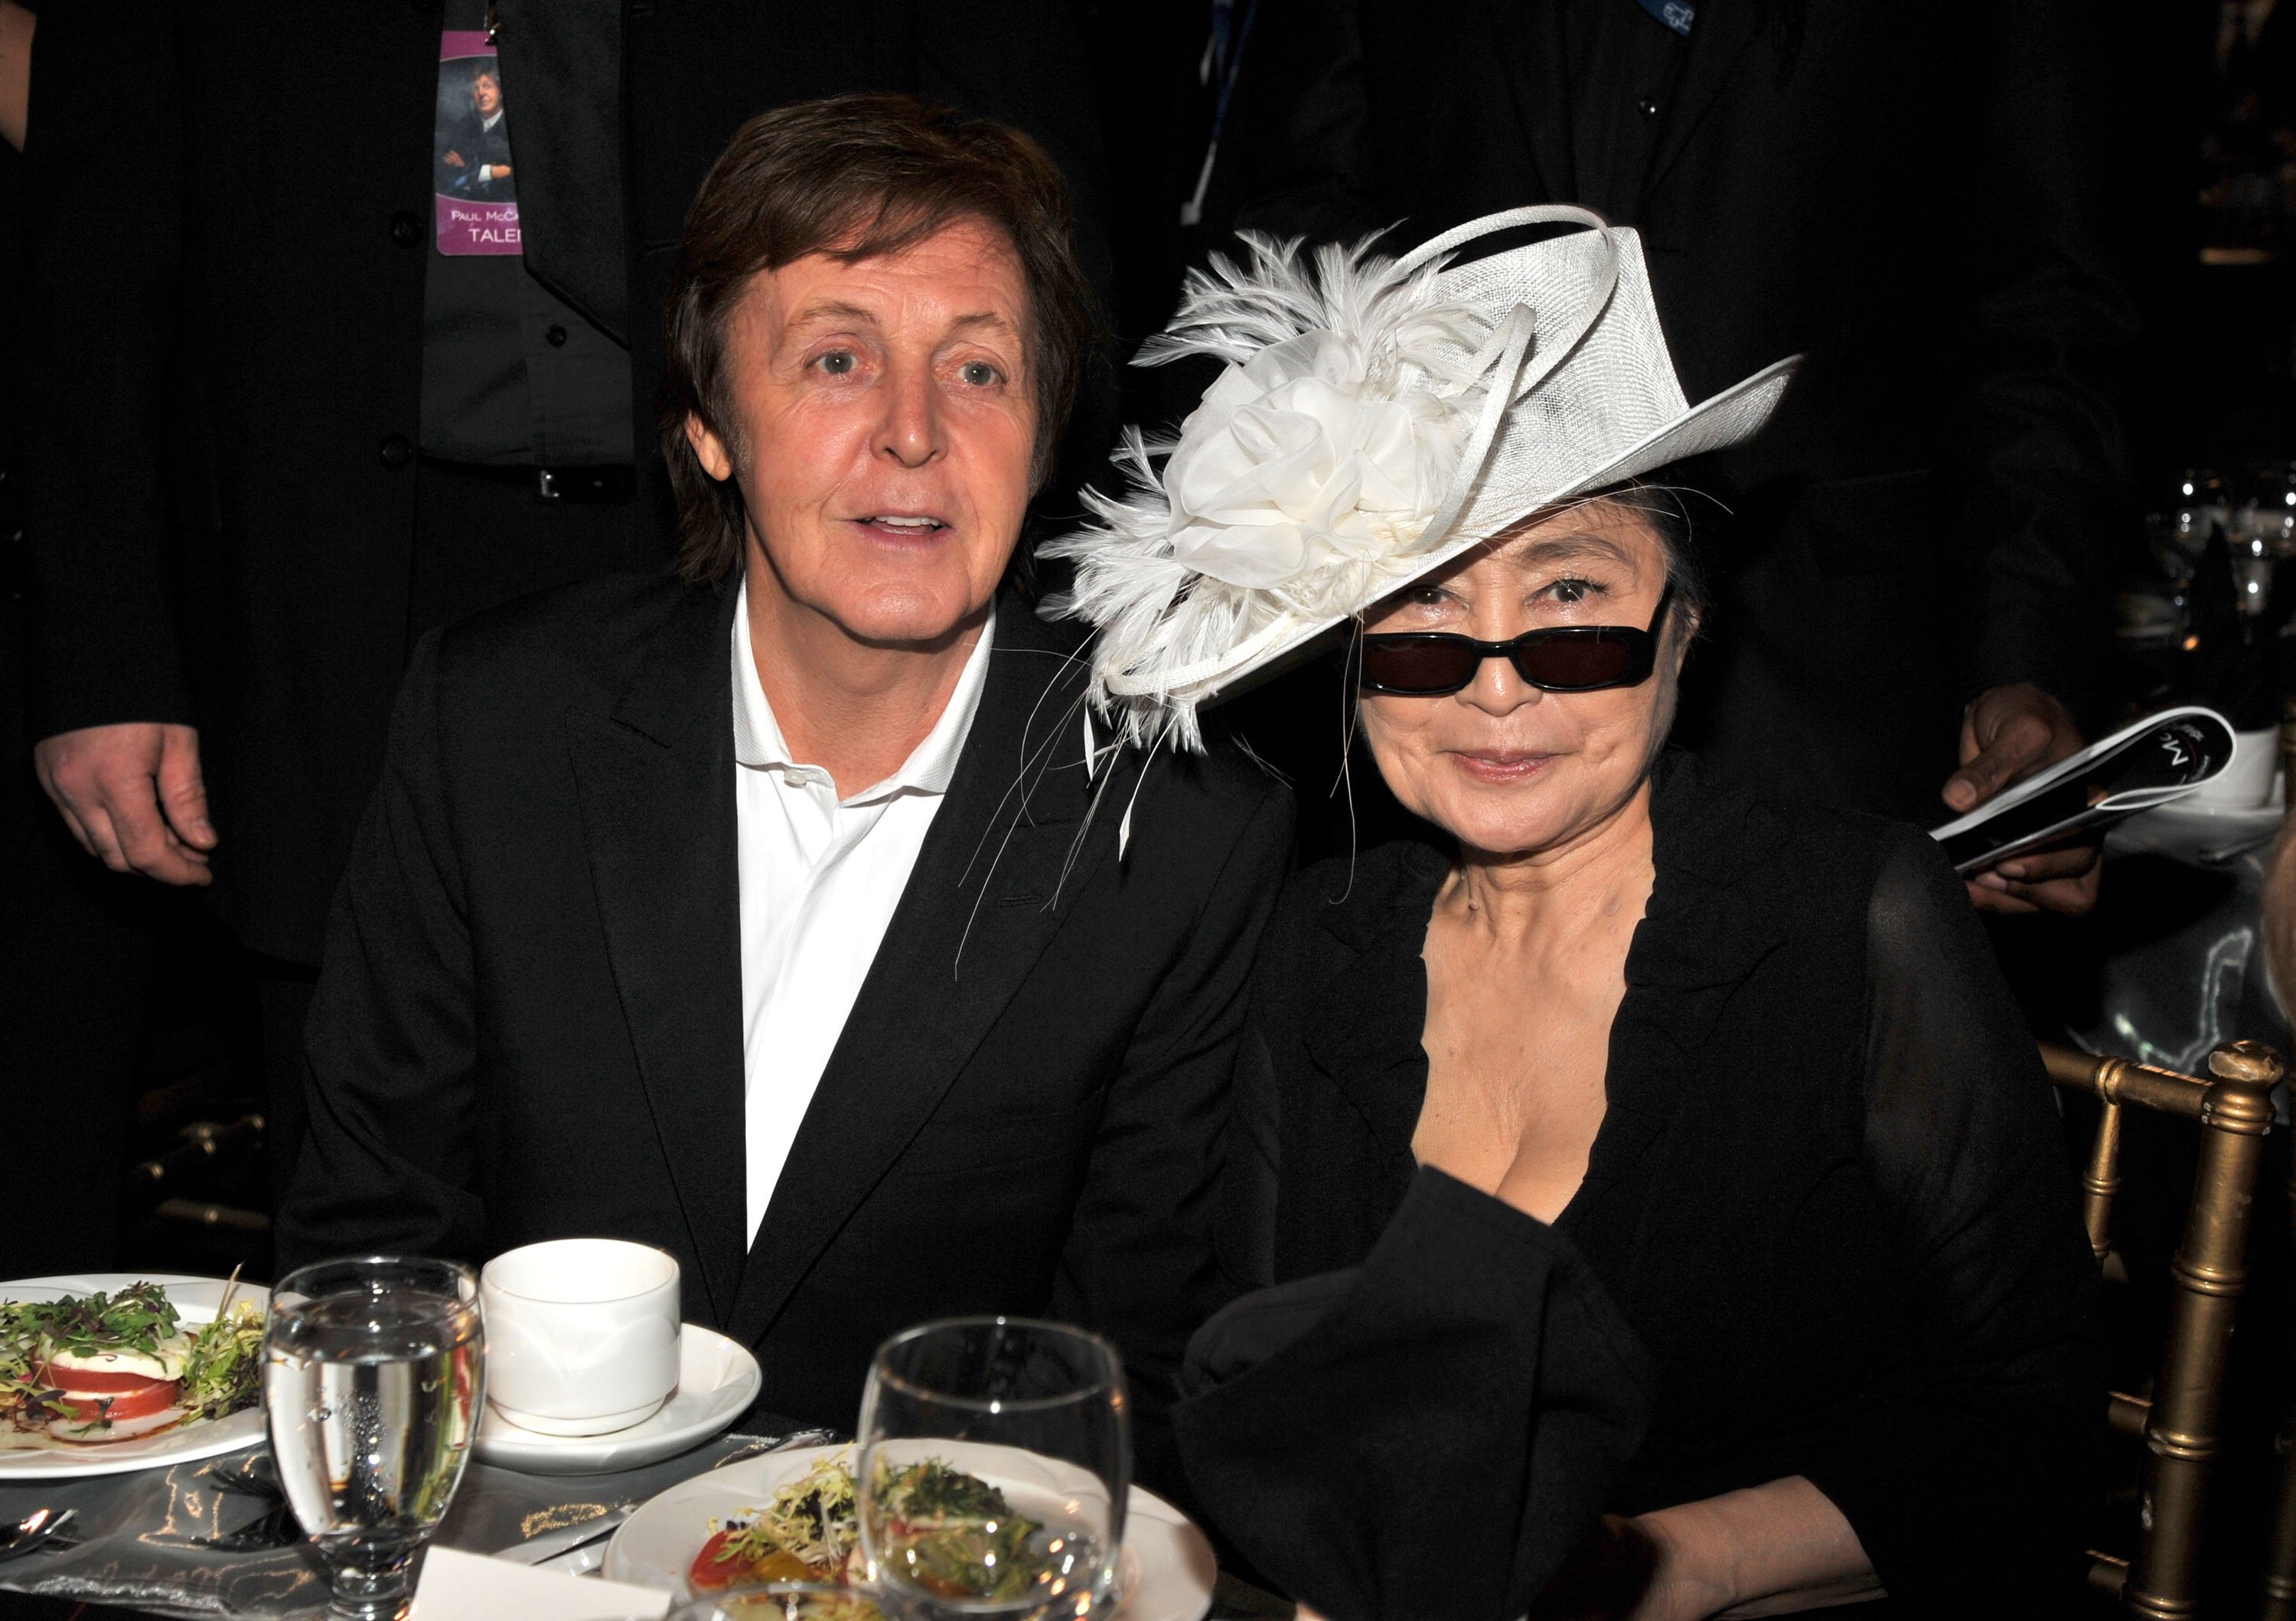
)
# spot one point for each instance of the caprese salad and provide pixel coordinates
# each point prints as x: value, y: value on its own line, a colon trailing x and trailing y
x: 91, y: 1369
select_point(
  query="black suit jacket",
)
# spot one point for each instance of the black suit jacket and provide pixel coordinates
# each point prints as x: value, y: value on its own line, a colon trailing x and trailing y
x: 529, y: 1023
x: 1916, y: 198
x: 226, y: 375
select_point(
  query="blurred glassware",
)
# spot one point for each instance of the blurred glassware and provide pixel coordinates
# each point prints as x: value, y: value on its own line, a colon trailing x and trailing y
x: 2195, y: 507
x: 2262, y: 531
x: 373, y: 1371
x: 782, y: 1602
x: 2268, y: 507
x: 2149, y: 617
x: 995, y: 1462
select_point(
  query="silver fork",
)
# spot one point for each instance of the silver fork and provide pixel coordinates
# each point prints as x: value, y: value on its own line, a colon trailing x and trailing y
x: 41, y: 1529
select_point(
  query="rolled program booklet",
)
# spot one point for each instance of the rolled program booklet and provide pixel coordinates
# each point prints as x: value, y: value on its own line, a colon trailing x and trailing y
x: 2160, y: 758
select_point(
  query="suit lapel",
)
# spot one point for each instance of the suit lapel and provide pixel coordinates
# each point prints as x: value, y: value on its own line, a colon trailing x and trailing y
x: 976, y: 915
x: 562, y: 80
x: 654, y: 778
x: 1719, y: 39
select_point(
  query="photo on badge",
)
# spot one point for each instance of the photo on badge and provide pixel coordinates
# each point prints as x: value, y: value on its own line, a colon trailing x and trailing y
x: 473, y: 183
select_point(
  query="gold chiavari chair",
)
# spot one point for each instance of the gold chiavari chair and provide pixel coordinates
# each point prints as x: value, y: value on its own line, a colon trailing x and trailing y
x: 2280, y: 1572
x: 2179, y: 1422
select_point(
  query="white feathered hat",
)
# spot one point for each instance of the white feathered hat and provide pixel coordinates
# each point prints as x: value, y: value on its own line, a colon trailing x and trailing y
x: 1376, y: 419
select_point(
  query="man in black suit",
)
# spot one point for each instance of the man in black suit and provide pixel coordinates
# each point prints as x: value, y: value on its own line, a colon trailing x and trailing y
x: 774, y: 915
x: 323, y: 434
x: 1914, y: 569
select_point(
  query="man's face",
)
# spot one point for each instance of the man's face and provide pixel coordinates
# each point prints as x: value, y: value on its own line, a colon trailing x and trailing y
x: 884, y: 416
x: 485, y: 95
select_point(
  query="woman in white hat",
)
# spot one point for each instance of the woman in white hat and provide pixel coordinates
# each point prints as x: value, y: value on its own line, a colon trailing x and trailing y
x: 1733, y: 1083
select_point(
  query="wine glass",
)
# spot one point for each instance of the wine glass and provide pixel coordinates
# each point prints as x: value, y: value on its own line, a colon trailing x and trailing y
x: 782, y: 1601
x: 994, y: 1462
x: 373, y: 1371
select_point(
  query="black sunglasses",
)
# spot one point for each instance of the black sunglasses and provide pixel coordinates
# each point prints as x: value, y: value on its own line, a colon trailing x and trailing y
x: 1566, y: 658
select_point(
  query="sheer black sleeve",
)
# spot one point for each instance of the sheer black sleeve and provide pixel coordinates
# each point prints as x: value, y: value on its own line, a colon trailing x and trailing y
x: 1963, y: 1479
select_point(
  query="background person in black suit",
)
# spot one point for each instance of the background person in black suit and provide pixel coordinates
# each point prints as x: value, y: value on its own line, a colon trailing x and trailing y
x: 1915, y: 569
x: 826, y: 978
x: 321, y: 436
x: 74, y: 938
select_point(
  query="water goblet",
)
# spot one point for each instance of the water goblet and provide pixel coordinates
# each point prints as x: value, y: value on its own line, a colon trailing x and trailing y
x: 374, y: 1370
x: 994, y: 1461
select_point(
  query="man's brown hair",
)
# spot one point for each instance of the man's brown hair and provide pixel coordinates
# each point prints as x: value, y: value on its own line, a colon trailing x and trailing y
x: 854, y: 177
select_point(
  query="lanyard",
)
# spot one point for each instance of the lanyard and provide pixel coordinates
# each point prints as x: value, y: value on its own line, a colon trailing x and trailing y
x: 1676, y: 14
x: 1223, y: 59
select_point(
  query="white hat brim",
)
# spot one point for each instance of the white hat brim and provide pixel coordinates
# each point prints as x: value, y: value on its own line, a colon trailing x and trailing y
x: 1729, y: 418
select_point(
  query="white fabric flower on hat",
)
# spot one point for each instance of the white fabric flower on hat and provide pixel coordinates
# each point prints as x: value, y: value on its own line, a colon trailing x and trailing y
x: 1301, y: 458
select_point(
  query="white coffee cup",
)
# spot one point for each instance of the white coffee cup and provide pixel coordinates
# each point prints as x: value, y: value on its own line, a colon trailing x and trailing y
x: 581, y: 1334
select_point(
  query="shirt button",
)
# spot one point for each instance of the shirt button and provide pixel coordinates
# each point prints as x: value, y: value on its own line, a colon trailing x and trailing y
x: 405, y: 229
x: 397, y: 451
x: 555, y: 337
x: 1649, y: 107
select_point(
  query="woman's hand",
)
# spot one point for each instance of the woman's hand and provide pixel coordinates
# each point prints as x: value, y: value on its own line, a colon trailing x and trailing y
x: 1769, y: 1549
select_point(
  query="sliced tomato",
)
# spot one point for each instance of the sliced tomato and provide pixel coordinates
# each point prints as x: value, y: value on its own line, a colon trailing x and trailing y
x: 103, y: 1381
x: 87, y: 1406
x: 709, y: 1572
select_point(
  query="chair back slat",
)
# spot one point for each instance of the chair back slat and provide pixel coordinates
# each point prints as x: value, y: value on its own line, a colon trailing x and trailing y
x: 2233, y: 1107
x: 2101, y: 1181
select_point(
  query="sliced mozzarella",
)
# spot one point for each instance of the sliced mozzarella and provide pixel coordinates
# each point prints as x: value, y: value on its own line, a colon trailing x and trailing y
x: 118, y: 1429
x: 167, y: 1364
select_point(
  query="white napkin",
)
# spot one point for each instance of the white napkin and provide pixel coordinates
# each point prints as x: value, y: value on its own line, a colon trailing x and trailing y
x: 470, y: 1587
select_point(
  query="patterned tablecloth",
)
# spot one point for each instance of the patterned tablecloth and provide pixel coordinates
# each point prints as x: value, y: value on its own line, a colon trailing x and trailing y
x: 143, y: 1546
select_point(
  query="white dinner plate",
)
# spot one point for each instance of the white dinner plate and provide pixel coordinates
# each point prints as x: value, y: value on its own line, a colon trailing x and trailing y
x: 1166, y: 1572
x: 195, y: 1300
x: 718, y: 1378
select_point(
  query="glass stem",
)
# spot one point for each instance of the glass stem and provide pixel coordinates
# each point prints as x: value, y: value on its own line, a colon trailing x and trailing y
x: 370, y: 1595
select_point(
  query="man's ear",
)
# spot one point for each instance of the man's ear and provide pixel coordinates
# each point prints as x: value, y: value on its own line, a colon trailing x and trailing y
x: 709, y: 449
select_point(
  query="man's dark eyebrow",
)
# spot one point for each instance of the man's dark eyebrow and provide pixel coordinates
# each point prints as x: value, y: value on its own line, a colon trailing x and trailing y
x: 836, y: 310
x: 832, y: 310
x: 981, y: 318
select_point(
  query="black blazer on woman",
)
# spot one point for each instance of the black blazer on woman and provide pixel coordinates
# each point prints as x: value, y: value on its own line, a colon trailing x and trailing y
x: 1829, y: 1196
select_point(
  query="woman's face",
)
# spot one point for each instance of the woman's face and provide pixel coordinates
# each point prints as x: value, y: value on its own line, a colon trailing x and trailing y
x: 1506, y: 768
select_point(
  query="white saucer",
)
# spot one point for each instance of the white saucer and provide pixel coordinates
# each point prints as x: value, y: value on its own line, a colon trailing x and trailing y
x: 717, y: 1381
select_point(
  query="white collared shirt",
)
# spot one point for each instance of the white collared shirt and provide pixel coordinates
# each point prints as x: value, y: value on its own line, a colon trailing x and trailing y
x: 820, y: 878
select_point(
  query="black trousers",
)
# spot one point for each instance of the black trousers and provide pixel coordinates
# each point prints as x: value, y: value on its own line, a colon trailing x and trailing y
x: 76, y: 949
